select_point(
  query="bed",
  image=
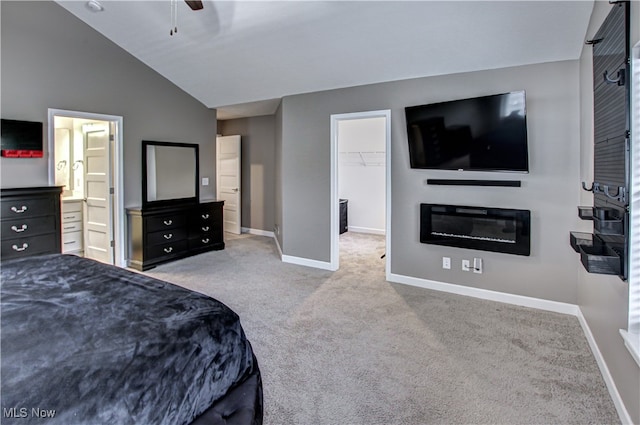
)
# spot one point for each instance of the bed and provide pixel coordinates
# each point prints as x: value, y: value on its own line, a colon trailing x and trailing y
x: 89, y: 343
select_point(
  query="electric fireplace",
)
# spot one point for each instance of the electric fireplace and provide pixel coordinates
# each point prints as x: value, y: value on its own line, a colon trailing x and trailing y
x: 486, y: 229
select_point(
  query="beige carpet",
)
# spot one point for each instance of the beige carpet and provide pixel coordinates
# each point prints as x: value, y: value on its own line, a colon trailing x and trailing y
x: 350, y: 348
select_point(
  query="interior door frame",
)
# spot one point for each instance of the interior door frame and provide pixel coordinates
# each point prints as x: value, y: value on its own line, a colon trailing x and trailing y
x: 119, y: 219
x: 335, y: 201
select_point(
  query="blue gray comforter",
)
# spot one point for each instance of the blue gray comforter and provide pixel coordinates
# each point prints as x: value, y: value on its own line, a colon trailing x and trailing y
x: 88, y: 343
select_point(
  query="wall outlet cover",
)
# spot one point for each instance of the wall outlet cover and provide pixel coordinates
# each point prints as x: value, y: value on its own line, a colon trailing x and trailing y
x: 466, y: 264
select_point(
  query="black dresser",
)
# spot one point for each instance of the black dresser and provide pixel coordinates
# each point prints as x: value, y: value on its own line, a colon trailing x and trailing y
x: 30, y: 219
x: 165, y: 234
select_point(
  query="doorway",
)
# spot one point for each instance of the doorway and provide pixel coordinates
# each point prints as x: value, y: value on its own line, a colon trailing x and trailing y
x: 85, y: 158
x: 362, y: 162
x: 229, y: 181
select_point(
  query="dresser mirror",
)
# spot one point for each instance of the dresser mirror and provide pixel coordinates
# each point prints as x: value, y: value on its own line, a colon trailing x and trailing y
x: 170, y: 174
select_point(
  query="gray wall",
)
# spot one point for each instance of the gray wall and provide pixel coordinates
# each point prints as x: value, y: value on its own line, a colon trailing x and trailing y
x: 549, y: 190
x: 51, y: 59
x: 604, y: 300
x: 258, y: 168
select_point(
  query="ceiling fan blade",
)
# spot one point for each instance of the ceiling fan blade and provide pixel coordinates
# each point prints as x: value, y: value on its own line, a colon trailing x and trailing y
x: 194, y: 4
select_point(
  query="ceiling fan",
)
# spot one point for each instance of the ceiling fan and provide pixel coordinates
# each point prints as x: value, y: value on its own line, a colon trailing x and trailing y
x: 193, y: 4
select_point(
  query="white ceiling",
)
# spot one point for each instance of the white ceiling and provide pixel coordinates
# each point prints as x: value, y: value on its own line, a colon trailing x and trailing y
x: 243, y: 56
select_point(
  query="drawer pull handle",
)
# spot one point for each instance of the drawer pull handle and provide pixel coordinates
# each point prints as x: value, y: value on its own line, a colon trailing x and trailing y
x: 168, y: 222
x: 168, y: 236
x: 69, y: 217
x: 205, y: 216
x: 205, y: 229
x: 69, y: 243
x: 21, y: 229
x: 168, y: 250
x: 205, y: 240
x: 19, y: 210
x: 17, y: 248
x: 69, y: 227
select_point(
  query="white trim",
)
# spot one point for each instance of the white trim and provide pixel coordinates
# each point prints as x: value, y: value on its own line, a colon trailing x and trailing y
x: 485, y: 294
x: 356, y: 229
x: 257, y: 232
x: 335, y: 201
x: 604, y: 370
x: 632, y: 342
x: 307, y: 262
x: 633, y: 318
x: 119, y: 219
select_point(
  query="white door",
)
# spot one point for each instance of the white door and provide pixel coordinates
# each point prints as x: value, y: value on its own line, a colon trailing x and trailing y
x: 97, y: 215
x: 228, y: 180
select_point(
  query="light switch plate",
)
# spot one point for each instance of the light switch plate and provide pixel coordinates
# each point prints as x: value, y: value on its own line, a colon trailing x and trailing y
x: 205, y: 181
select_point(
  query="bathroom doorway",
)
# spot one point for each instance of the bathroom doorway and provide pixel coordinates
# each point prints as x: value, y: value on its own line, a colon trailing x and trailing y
x: 84, y: 158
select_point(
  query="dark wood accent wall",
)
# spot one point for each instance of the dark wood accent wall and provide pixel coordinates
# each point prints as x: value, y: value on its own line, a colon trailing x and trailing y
x: 606, y: 250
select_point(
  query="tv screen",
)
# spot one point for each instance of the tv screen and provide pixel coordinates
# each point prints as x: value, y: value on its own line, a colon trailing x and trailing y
x: 486, y: 133
x: 21, y: 139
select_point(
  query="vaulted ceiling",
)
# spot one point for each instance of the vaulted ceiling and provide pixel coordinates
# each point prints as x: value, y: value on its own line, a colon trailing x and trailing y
x: 243, y: 56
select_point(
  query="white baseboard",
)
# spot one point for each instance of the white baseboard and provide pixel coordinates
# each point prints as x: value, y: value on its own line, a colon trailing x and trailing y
x: 257, y: 232
x: 486, y: 294
x: 324, y: 265
x: 537, y: 303
x: 368, y: 230
x: 625, y: 418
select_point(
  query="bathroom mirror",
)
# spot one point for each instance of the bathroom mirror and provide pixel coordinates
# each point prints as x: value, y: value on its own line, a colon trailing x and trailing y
x: 170, y: 173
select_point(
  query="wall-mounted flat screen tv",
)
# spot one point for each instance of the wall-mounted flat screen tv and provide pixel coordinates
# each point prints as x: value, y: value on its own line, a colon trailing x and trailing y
x: 486, y: 133
x: 21, y: 139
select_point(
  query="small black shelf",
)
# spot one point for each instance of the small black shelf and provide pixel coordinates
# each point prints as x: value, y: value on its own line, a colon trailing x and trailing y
x: 456, y: 182
x: 585, y: 213
x: 577, y: 239
x: 600, y: 259
x: 607, y: 221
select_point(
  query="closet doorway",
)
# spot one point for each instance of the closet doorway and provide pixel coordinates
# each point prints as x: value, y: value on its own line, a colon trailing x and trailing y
x: 360, y: 177
x: 85, y: 152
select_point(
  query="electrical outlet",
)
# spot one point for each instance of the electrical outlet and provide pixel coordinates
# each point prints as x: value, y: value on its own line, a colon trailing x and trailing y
x: 446, y: 263
x: 466, y: 265
x: 477, y: 265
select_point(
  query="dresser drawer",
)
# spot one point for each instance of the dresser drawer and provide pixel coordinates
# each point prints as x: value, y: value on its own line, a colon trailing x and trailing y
x: 26, y: 207
x: 68, y: 217
x: 164, y: 222
x: 71, y: 206
x: 26, y: 246
x: 173, y: 249
x: 72, y: 227
x: 166, y: 236
x: 71, y: 241
x: 203, y: 241
x: 196, y: 228
x: 207, y: 215
x: 26, y: 227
